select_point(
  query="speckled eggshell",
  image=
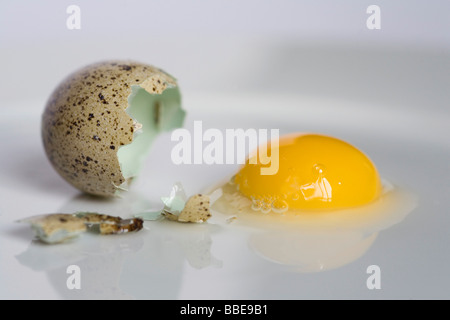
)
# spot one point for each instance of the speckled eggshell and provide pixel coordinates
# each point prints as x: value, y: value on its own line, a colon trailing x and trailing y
x: 85, y: 123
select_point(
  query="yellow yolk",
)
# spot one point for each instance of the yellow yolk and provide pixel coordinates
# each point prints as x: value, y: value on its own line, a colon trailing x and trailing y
x: 314, y: 172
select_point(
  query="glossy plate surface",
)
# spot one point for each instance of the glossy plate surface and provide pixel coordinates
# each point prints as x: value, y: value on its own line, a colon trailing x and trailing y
x: 223, y: 260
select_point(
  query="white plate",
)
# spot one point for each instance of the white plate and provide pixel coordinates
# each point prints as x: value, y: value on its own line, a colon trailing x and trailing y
x: 225, y: 261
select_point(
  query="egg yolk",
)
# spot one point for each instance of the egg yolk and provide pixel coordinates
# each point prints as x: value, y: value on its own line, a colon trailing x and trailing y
x: 314, y: 172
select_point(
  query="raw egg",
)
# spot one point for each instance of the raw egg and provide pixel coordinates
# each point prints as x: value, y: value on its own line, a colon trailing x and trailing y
x: 314, y: 172
x: 319, y: 178
x: 321, y: 209
x: 100, y: 122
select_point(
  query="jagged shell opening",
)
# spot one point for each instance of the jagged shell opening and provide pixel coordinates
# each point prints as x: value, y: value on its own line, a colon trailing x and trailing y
x: 153, y: 114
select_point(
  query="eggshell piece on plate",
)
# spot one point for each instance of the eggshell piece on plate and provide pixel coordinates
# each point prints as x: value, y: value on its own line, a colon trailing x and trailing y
x: 56, y: 228
x: 196, y: 209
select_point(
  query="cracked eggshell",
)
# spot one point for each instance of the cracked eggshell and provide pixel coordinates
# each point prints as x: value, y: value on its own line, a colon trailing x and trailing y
x: 85, y: 122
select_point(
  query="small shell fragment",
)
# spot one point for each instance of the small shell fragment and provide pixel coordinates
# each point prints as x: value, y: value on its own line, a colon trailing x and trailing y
x: 56, y: 228
x: 176, y: 201
x: 178, y: 208
x: 169, y: 215
x: 196, y: 210
x: 110, y: 224
x: 59, y: 227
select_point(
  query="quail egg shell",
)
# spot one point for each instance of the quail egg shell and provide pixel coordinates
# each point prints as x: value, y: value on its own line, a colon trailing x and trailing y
x: 100, y: 122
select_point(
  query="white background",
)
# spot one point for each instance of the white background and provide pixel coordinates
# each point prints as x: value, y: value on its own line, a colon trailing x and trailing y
x: 233, y: 45
x: 293, y: 65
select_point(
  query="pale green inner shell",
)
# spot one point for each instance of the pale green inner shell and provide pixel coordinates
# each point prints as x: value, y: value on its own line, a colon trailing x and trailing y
x: 156, y: 113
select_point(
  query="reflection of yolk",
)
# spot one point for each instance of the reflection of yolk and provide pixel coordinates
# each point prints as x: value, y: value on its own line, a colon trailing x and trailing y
x: 314, y: 172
